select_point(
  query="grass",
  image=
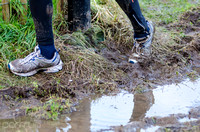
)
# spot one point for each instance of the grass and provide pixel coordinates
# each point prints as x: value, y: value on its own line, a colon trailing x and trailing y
x: 53, y: 108
x: 16, y: 41
x: 166, y: 11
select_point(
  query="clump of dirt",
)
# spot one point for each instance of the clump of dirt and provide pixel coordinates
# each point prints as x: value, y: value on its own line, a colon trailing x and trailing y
x: 195, y: 43
x: 189, y: 41
x: 188, y: 22
x: 192, y: 17
x: 186, y: 126
x: 14, y: 101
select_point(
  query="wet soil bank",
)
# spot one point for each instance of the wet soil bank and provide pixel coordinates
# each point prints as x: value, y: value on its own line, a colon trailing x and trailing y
x: 88, y: 72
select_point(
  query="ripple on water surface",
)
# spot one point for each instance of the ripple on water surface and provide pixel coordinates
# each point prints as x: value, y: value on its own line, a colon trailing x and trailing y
x: 175, y: 99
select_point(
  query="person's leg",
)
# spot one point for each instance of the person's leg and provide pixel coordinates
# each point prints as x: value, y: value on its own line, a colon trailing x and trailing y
x: 133, y: 11
x: 42, y: 11
x: 143, y: 30
x: 45, y: 57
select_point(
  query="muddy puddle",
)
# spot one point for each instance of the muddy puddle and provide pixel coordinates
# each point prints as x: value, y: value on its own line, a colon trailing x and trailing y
x: 115, y: 112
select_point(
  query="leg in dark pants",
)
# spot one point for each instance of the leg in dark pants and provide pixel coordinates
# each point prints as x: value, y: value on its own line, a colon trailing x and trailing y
x: 133, y: 11
x: 42, y: 11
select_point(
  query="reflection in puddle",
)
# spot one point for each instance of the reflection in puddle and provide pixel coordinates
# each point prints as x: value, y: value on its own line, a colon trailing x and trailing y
x: 111, y: 111
x: 103, y: 113
x: 150, y: 129
x: 186, y: 119
x: 174, y: 99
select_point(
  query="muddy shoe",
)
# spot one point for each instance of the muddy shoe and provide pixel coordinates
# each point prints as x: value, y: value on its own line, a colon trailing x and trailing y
x: 142, y: 46
x: 146, y: 42
x: 35, y: 62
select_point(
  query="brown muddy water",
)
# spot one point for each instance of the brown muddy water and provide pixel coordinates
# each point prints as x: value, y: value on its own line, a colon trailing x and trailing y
x: 107, y: 112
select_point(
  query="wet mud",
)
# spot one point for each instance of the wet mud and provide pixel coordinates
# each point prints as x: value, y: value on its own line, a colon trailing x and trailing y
x: 167, y: 65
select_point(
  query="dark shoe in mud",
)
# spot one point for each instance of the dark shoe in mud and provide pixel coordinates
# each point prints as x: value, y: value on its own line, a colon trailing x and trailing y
x: 35, y: 62
x: 142, y: 46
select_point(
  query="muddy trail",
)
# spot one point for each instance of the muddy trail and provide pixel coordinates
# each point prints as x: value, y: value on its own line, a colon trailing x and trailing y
x: 105, y: 70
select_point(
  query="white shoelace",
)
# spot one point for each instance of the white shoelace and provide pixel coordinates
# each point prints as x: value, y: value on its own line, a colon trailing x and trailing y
x: 31, y: 56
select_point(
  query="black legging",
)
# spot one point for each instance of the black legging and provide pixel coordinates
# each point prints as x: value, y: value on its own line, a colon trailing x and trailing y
x: 133, y: 11
x: 42, y: 11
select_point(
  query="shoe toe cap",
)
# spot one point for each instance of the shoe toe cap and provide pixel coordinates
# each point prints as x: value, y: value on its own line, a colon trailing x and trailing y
x: 14, y: 65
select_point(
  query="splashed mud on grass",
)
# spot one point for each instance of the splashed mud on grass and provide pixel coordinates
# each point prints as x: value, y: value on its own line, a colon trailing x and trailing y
x: 104, y: 70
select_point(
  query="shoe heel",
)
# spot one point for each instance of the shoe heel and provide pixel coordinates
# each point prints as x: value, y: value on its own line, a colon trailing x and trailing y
x: 54, y: 69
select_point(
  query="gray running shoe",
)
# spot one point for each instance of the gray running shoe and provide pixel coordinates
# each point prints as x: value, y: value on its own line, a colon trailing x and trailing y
x: 142, y: 46
x: 35, y: 62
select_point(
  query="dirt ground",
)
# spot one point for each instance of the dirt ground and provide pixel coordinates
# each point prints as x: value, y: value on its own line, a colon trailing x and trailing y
x: 111, y: 72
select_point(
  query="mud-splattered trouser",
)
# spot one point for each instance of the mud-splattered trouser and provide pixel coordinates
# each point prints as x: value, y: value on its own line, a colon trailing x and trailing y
x: 42, y: 11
